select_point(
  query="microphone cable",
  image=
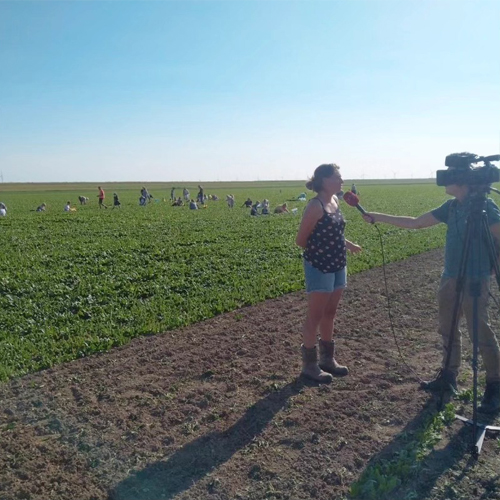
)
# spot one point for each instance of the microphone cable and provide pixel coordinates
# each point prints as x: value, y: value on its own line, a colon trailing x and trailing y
x: 391, y: 321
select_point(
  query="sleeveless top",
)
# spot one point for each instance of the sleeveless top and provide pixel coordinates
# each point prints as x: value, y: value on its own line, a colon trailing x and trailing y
x: 325, y: 249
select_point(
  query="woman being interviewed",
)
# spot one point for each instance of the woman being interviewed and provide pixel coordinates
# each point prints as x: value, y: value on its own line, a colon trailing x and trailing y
x: 321, y: 234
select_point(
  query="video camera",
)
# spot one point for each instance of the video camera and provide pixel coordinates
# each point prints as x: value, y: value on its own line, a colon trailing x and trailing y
x: 461, y: 172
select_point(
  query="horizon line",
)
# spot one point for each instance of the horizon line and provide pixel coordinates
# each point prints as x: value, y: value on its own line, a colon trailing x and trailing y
x: 359, y: 180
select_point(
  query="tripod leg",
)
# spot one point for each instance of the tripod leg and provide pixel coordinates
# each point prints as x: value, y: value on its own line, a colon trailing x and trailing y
x: 492, y: 249
x: 475, y: 291
x: 474, y: 305
x: 458, y: 302
x: 487, y: 343
x: 478, y: 440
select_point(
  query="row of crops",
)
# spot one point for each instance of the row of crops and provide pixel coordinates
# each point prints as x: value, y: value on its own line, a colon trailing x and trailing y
x: 72, y: 284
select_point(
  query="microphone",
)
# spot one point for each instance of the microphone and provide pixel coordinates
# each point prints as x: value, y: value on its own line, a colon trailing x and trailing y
x: 490, y: 158
x: 353, y: 200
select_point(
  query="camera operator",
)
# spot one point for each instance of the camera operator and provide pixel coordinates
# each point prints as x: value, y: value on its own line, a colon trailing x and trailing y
x: 454, y: 213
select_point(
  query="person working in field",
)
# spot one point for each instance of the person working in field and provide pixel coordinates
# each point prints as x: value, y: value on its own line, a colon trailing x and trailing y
x: 321, y: 235
x: 230, y: 200
x: 265, y: 206
x: 3, y: 209
x: 454, y: 213
x: 101, y: 197
x: 282, y: 209
x: 255, y: 209
x: 146, y: 196
x: 116, y: 201
x: 201, y: 195
x: 41, y: 208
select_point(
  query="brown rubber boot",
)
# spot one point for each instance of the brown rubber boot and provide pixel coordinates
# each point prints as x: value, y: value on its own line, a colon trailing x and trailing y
x: 310, y: 368
x: 327, y: 359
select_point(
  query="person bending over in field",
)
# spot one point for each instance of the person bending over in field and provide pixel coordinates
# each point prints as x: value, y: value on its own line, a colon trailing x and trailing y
x: 41, y: 208
x: 321, y: 235
x: 265, y: 206
x: 453, y: 213
x: 282, y: 209
x: 3, y: 209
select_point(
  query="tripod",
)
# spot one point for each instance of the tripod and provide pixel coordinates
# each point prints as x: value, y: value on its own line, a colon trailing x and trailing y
x: 477, y: 232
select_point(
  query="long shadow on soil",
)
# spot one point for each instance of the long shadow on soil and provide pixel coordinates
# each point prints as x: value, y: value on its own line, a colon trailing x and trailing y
x: 441, y: 460
x: 165, y: 479
x: 436, y: 463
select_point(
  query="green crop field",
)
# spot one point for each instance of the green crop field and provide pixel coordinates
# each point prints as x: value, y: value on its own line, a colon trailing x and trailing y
x: 73, y: 284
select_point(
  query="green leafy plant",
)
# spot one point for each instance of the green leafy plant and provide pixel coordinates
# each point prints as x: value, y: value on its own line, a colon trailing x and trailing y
x: 384, y: 477
x: 75, y: 284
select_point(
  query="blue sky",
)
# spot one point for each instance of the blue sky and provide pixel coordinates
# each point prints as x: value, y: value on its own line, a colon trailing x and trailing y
x: 244, y: 89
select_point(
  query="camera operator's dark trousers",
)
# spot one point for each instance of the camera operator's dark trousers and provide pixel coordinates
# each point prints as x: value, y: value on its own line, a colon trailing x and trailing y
x: 488, y: 345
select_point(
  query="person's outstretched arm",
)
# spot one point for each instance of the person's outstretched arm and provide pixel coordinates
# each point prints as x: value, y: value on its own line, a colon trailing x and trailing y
x: 425, y: 220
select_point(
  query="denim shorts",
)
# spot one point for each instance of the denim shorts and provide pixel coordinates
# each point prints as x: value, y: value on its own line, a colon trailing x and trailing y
x: 317, y: 281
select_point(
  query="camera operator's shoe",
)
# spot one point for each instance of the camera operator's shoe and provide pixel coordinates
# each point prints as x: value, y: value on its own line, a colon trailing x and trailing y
x: 491, y: 399
x: 444, y: 381
x: 327, y: 360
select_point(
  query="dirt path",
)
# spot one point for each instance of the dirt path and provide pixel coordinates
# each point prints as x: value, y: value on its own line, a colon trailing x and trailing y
x: 215, y: 411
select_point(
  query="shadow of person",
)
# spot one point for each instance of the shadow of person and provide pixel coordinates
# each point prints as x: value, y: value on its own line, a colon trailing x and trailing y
x: 424, y: 474
x: 461, y: 446
x: 165, y: 479
x: 458, y: 454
